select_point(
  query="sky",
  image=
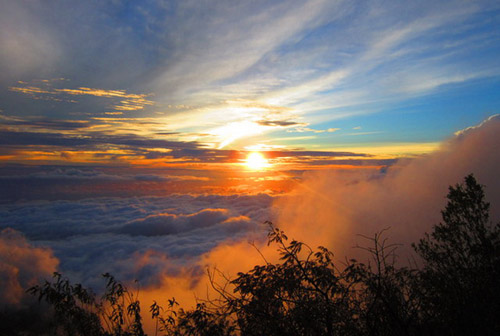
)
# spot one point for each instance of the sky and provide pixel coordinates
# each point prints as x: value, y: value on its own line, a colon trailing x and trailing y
x: 160, y: 82
x: 126, y: 128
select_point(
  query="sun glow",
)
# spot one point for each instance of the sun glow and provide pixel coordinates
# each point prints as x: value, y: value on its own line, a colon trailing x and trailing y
x: 256, y: 161
x: 236, y: 130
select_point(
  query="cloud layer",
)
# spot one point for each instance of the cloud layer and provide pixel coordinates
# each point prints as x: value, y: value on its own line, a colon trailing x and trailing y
x: 332, y: 207
x: 140, y: 238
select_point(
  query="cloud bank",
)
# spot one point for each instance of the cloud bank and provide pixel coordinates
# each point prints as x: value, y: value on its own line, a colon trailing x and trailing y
x: 332, y: 207
x: 143, y: 238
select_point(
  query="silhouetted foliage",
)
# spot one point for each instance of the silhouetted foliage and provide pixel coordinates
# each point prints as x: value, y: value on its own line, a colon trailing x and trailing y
x: 461, y: 274
x: 456, y: 291
x: 78, y: 312
x: 300, y: 296
x: 389, y: 296
x: 74, y: 307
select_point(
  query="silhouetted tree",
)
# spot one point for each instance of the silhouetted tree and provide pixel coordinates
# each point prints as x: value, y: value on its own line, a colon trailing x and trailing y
x: 461, y: 274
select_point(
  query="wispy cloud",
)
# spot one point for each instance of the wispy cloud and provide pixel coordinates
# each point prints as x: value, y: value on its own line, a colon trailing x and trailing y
x: 270, y: 65
x: 379, y: 60
x: 123, y: 101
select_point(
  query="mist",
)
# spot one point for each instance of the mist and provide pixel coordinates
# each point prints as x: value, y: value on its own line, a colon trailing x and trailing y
x: 333, y: 208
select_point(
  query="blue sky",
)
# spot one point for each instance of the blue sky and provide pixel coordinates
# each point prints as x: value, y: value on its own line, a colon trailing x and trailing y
x: 287, y: 75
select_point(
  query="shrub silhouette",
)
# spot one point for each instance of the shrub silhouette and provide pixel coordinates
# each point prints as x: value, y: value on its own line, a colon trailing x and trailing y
x: 461, y: 274
x: 456, y: 291
x: 78, y: 312
x: 389, y: 296
x: 304, y: 295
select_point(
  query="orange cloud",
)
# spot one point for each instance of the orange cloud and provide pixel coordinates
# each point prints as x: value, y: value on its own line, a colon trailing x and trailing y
x: 30, y: 90
x: 129, y: 102
x: 21, y: 265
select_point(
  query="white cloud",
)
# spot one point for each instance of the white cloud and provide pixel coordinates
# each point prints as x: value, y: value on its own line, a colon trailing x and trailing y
x: 232, y: 38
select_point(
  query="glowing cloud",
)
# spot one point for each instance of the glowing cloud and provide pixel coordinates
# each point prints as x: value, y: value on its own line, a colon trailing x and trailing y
x: 331, y: 207
x: 21, y: 265
x: 127, y: 102
x: 236, y: 130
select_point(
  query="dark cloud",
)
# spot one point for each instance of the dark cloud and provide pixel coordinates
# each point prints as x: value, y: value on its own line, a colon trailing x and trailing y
x: 15, y: 188
x: 167, y: 133
x: 221, y: 155
x: 143, y: 142
x: 45, y: 123
x: 87, y: 141
x: 352, y: 162
x: 153, y: 178
x: 277, y: 154
x: 281, y: 123
x: 53, y: 182
x: 21, y: 139
x: 72, y: 173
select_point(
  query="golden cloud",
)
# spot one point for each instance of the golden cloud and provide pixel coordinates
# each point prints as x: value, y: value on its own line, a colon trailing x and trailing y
x: 128, y: 102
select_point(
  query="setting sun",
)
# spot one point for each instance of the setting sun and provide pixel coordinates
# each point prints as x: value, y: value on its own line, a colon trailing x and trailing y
x: 256, y: 161
x: 165, y: 144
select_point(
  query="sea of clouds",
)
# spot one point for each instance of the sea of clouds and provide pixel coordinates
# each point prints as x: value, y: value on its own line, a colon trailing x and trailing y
x: 167, y: 242
x: 139, y: 238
